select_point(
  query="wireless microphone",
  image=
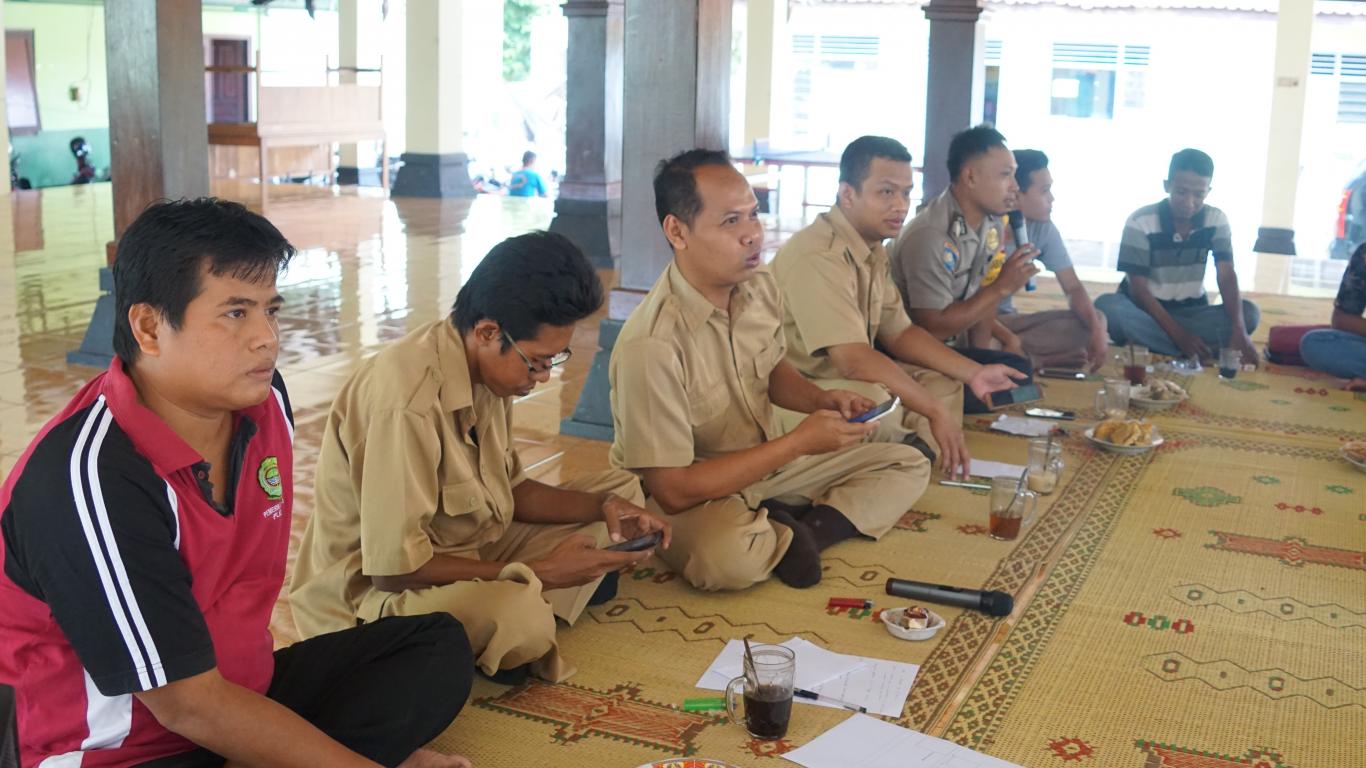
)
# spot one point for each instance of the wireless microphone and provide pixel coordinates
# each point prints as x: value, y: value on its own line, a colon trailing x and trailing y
x: 1021, y: 235
x: 991, y: 603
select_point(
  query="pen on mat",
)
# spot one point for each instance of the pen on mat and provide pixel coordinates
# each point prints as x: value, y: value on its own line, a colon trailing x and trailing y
x: 849, y: 602
x: 805, y: 694
x: 956, y: 484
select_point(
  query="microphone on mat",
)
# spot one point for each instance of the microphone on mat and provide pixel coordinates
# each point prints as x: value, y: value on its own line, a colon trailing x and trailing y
x: 1021, y: 235
x: 991, y: 603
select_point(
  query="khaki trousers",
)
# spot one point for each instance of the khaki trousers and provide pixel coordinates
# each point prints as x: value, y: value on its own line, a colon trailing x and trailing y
x: 511, y: 620
x: 1054, y: 336
x: 730, y: 543
x: 895, y: 426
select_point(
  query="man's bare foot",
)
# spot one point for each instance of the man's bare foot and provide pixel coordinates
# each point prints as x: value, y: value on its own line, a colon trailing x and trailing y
x: 1355, y: 385
x: 430, y: 758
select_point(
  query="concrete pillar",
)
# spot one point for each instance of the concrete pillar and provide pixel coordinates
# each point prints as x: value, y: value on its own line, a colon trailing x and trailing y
x: 954, y: 95
x: 588, y: 209
x: 1294, y: 31
x: 454, y: 50
x: 348, y: 58
x: 158, y: 136
x: 687, y: 44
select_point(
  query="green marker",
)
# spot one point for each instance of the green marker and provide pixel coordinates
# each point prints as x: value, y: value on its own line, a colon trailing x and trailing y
x: 703, y: 705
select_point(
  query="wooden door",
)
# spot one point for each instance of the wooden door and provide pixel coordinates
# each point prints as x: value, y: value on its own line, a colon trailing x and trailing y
x: 228, y: 91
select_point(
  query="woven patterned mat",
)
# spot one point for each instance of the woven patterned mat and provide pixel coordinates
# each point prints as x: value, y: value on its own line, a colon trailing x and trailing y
x: 1202, y: 605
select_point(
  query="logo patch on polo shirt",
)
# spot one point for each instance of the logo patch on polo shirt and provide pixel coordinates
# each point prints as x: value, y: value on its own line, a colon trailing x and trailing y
x: 950, y: 256
x: 268, y: 475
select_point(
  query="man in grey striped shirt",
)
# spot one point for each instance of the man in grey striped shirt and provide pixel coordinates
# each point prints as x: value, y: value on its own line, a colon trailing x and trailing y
x: 1162, y: 303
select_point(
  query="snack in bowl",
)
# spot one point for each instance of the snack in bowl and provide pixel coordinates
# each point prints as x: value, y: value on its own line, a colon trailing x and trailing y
x: 1355, y: 450
x: 913, y: 623
x: 1163, y: 390
x: 914, y: 617
x: 1125, y: 431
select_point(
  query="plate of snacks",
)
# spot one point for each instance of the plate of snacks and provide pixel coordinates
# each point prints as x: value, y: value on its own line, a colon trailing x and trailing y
x: 687, y: 762
x: 1354, y: 451
x: 1125, y: 436
x: 1158, y: 394
x: 912, y: 622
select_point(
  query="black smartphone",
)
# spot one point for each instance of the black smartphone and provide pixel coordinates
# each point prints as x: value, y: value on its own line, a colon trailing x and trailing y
x: 1025, y: 393
x: 635, y: 545
x: 876, y: 412
x: 1050, y: 413
x: 1062, y: 373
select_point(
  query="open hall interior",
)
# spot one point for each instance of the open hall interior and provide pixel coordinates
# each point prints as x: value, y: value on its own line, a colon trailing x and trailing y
x: 1198, y: 605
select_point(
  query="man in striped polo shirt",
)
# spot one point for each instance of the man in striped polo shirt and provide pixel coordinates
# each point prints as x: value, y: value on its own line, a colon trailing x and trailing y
x: 145, y: 531
x: 1161, y: 303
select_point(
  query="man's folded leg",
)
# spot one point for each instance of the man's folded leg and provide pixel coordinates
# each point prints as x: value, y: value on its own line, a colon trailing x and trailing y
x: 383, y: 689
x: 508, y: 621
x: 871, y: 485
x: 1051, y: 337
x: 724, y: 543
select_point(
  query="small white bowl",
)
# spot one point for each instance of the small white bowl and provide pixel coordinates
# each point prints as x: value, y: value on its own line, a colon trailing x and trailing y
x: 891, y: 616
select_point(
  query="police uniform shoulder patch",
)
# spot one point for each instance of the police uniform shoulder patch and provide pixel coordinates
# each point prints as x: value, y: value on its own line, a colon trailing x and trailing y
x: 950, y: 256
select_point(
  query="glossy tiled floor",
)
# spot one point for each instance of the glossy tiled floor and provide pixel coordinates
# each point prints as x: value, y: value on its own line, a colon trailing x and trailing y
x: 369, y: 269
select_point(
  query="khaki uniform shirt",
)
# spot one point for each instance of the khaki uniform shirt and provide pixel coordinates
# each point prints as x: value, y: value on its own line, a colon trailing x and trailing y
x: 690, y: 382
x: 416, y: 461
x: 836, y: 290
x: 937, y: 260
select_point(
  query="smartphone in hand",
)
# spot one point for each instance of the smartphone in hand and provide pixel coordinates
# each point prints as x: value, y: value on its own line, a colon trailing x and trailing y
x: 647, y: 541
x: 876, y: 412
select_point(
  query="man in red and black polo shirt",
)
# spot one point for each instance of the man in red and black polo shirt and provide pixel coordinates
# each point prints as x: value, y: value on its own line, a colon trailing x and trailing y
x: 145, y: 531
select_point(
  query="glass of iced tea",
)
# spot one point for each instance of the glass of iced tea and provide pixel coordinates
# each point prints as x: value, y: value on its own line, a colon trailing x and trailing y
x: 1136, y: 360
x: 1012, y: 508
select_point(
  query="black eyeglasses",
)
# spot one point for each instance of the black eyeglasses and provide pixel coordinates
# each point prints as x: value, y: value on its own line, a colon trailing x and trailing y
x: 559, y: 358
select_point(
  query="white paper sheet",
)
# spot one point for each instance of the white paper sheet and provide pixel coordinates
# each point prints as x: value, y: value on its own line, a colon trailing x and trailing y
x: 866, y: 742
x: 1023, y: 425
x: 815, y: 665
x: 990, y: 469
x: 881, y: 687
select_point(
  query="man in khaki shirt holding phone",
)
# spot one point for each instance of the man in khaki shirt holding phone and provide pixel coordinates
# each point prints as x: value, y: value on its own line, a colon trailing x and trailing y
x: 696, y: 372
x: 422, y: 505
x: 846, y: 326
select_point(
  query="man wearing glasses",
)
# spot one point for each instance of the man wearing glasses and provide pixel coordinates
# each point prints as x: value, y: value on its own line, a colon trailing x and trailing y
x: 422, y: 504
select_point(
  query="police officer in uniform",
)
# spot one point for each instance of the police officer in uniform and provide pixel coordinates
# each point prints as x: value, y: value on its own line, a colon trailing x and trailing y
x: 940, y: 260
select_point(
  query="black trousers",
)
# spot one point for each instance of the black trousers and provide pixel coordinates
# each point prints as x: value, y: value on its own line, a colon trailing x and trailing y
x: 383, y: 689
x: 971, y: 403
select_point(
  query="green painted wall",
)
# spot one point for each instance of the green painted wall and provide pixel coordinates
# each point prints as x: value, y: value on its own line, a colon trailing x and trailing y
x: 68, y: 48
x: 68, y: 43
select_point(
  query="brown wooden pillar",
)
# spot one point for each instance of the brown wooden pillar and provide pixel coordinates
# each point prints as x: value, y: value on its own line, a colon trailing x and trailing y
x: 685, y: 43
x: 588, y: 208
x: 158, y: 140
